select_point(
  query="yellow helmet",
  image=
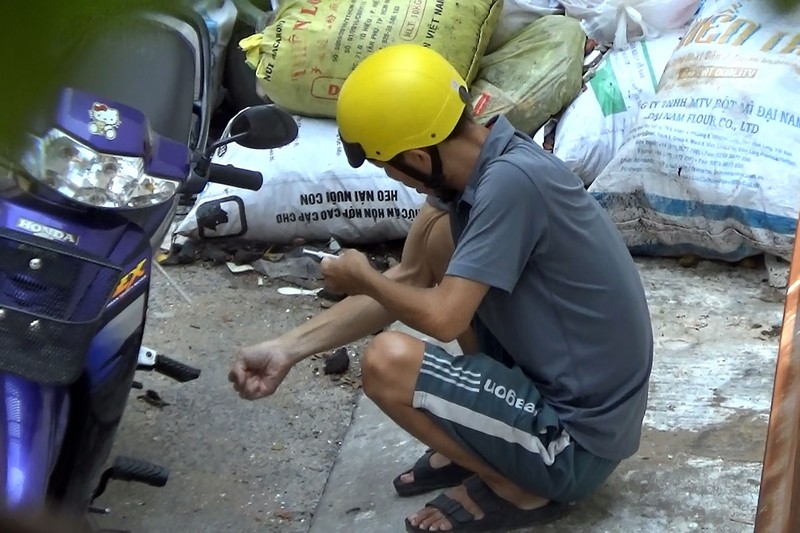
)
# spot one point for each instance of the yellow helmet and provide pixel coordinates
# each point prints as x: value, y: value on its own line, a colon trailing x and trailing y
x: 399, y: 98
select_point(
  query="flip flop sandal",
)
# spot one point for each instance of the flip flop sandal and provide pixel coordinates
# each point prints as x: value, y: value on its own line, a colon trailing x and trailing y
x: 427, y: 478
x: 498, y: 514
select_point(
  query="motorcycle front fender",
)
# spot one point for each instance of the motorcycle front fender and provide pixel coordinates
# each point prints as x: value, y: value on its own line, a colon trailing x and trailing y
x: 33, y: 418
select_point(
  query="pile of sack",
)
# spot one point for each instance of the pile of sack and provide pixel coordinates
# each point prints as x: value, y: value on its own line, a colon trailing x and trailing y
x: 677, y: 114
x: 521, y: 58
x: 701, y: 135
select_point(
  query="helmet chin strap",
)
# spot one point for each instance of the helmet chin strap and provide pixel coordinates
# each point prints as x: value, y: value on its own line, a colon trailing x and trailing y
x: 435, y: 180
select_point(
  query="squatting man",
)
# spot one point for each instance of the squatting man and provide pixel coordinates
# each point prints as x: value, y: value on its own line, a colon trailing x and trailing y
x: 512, y: 257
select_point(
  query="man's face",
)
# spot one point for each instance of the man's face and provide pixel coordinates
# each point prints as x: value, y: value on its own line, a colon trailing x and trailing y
x: 419, y: 160
x: 403, y: 178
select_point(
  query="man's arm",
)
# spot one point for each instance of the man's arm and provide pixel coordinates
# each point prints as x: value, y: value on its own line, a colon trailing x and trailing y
x: 258, y: 370
x: 353, y: 318
x: 507, y: 225
x: 443, y: 312
x: 426, y: 252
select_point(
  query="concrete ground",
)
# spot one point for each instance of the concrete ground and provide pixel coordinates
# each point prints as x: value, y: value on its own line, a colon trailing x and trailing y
x: 698, y: 467
x: 290, y: 463
x: 236, y: 466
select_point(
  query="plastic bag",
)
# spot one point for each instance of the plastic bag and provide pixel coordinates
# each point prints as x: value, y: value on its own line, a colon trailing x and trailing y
x: 516, y: 15
x: 533, y: 76
x: 710, y: 167
x: 219, y: 16
x: 620, y: 21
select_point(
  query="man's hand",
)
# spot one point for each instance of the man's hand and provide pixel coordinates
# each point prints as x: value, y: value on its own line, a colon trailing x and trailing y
x: 258, y: 370
x: 346, y: 273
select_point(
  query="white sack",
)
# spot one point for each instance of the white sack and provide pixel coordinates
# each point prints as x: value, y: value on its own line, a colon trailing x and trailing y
x: 592, y: 129
x: 516, y: 15
x: 712, y: 164
x: 309, y: 191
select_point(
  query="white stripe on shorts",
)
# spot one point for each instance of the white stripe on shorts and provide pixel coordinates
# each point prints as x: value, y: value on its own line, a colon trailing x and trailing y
x: 450, y: 372
x: 429, y: 355
x: 489, y: 426
x: 448, y: 380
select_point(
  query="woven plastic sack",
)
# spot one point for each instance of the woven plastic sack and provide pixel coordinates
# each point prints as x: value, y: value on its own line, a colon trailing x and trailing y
x: 309, y: 192
x: 304, y: 56
x: 533, y: 76
x: 516, y: 15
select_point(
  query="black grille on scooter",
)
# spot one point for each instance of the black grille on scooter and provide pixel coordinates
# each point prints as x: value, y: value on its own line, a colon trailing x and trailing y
x: 51, y: 301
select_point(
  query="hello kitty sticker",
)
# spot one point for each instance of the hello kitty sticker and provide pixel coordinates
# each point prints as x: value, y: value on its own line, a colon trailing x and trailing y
x: 105, y: 120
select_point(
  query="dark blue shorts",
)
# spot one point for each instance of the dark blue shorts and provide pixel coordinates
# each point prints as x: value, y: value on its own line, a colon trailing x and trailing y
x: 496, y: 413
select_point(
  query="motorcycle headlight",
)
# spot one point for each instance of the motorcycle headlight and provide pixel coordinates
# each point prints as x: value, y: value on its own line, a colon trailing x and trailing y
x: 92, y: 178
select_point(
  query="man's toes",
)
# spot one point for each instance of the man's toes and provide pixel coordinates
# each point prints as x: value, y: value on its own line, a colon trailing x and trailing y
x: 441, y: 525
x: 434, y: 521
x: 425, y: 517
x: 407, y: 478
x: 417, y: 518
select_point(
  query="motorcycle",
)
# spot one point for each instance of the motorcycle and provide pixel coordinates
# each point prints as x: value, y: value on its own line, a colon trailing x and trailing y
x: 81, y: 212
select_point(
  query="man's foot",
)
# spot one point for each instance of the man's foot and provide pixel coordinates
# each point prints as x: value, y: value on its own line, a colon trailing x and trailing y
x: 435, y: 461
x: 432, y: 471
x: 474, y: 506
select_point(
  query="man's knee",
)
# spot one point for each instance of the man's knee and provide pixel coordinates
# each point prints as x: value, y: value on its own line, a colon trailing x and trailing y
x: 390, y: 364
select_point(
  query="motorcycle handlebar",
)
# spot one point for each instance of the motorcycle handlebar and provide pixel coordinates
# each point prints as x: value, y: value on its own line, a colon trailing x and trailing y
x: 235, y: 177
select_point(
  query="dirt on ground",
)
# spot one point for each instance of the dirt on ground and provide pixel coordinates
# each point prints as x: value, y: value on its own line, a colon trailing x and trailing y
x: 235, y: 465
x: 262, y: 466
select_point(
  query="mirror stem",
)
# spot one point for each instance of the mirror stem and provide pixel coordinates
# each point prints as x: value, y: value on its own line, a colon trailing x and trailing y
x: 225, y: 140
x: 202, y: 166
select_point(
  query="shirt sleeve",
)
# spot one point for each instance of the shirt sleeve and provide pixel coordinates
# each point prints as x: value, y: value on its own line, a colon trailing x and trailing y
x: 507, y: 226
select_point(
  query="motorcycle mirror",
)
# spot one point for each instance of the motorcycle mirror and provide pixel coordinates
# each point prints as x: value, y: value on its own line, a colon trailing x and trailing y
x: 263, y: 127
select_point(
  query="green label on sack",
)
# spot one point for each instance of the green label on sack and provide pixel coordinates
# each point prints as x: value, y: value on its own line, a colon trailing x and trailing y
x: 606, y: 87
x: 606, y: 90
x: 647, y: 60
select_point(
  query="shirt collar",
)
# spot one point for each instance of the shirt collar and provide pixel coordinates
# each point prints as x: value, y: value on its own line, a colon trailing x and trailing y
x: 501, y: 131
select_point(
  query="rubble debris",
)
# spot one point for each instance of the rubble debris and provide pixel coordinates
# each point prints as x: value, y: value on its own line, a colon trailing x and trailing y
x: 777, y: 271
x: 338, y: 362
x: 688, y: 261
x: 354, y: 383
x: 151, y: 397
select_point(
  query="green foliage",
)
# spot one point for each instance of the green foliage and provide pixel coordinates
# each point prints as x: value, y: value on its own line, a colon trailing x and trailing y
x: 786, y: 5
x: 35, y: 36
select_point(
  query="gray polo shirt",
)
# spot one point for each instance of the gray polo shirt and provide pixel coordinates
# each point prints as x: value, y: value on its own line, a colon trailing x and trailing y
x: 565, y: 299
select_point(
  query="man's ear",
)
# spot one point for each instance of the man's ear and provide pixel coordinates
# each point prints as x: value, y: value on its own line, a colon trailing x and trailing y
x: 418, y: 159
